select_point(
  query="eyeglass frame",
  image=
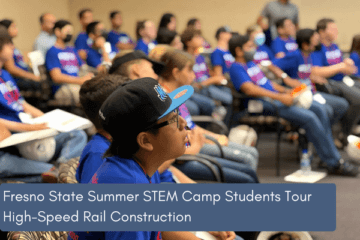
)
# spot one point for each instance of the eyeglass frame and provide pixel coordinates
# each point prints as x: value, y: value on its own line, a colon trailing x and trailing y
x: 165, y: 123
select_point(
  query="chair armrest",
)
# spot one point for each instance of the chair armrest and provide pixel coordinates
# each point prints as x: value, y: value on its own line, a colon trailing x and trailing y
x: 209, y: 119
x: 222, y: 155
x: 208, y: 162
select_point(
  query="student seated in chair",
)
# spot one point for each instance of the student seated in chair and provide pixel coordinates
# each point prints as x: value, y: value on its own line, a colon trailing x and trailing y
x: 119, y: 40
x: 221, y: 58
x: 17, y: 66
x: 97, y: 57
x: 153, y: 140
x: 284, y: 43
x: 63, y: 64
x: 235, y: 171
x: 248, y: 78
x: 68, y: 145
x: 145, y: 34
x: 82, y: 42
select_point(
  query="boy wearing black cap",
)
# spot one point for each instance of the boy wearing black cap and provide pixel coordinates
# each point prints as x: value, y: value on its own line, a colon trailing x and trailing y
x: 221, y: 58
x: 158, y: 135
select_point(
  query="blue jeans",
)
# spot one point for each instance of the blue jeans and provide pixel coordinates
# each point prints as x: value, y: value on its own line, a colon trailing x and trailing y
x: 199, y: 104
x: 338, y: 105
x: 234, y: 152
x: 220, y: 93
x: 69, y: 145
x: 234, y: 172
x: 12, y: 165
x: 316, y: 123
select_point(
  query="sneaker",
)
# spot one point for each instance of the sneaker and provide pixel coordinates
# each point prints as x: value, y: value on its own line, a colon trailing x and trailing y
x: 51, y: 176
x: 344, y: 168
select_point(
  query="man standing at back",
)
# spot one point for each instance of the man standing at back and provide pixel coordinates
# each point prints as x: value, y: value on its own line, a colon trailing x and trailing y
x: 274, y: 11
x: 46, y: 39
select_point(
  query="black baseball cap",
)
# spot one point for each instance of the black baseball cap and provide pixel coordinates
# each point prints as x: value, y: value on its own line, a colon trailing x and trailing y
x: 222, y: 29
x: 157, y: 66
x: 136, y: 105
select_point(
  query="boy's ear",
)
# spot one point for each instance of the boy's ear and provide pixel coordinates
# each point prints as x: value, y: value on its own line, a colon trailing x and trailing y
x: 144, y: 142
x: 175, y: 73
x: 135, y: 69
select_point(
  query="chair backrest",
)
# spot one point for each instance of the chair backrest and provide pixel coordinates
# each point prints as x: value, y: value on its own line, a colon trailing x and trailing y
x: 36, y: 59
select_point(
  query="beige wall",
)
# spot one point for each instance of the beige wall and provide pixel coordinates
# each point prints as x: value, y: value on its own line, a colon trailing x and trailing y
x: 26, y: 13
x: 238, y: 14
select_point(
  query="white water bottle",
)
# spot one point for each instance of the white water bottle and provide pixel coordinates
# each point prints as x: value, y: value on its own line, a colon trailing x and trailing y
x: 305, y: 164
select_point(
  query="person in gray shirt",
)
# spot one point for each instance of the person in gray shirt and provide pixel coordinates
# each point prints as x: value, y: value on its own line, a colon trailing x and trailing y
x: 46, y: 39
x: 275, y: 11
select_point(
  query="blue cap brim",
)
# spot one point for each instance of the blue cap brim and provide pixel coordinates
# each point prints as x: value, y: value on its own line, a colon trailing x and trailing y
x: 178, y: 97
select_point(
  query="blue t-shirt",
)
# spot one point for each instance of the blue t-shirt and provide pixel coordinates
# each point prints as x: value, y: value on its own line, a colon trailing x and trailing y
x: 355, y: 57
x: 66, y: 59
x: 115, y: 37
x: 222, y: 58
x: 83, y: 42
x: 201, y: 69
x: 298, y: 66
x: 91, y: 158
x: 11, y: 102
x: 284, y: 45
x: 94, y: 58
x: 146, y: 48
x: 167, y: 177
x: 19, y: 61
x: 263, y: 53
x: 119, y: 170
x: 328, y: 56
x: 250, y: 72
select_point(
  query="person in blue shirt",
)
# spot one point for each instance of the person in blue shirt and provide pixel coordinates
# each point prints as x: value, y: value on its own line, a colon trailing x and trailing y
x: 82, y: 42
x: 248, y: 78
x: 145, y: 34
x: 118, y: 39
x: 97, y: 56
x: 328, y: 63
x: 63, y: 62
x: 195, y: 23
x: 12, y: 105
x: 151, y: 141
x: 16, y: 66
x: 221, y: 58
x: 92, y: 95
x: 300, y: 61
x: 285, y: 42
x: 355, y: 53
x: 263, y: 52
x: 170, y: 38
x: 209, y: 86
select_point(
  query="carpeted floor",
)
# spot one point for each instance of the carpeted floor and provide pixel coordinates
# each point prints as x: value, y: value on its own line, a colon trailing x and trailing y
x: 347, y: 188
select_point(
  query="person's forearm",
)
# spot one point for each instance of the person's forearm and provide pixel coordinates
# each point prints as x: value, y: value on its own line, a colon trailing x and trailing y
x: 256, y: 91
x: 82, y: 53
x: 178, y: 236
x: 218, y: 71
x: 18, y: 72
x: 4, y: 132
x: 279, y: 88
x: 63, y: 78
x: 33, y: 111
x: 180, y: 175
x: 328, y: 71
x: 16, y: 126
x: 210, y: 81
x: 288, y: 81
